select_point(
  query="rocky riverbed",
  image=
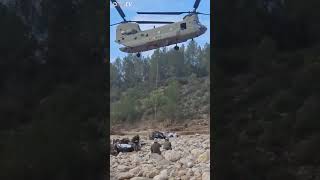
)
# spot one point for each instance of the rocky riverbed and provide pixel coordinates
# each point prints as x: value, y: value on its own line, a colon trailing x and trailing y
x: 189, y: 159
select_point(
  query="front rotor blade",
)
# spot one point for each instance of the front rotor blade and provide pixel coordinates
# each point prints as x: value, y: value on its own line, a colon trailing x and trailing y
x: 196, y: 4
x: 163, y: 13
x: 115, y: 23
x: 117, y: 6
x: 152, y: 22
x: 203, y: 13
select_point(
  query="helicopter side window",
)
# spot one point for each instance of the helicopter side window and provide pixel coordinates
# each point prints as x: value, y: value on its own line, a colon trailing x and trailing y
x: 129, y: 32
x: 183, y: 26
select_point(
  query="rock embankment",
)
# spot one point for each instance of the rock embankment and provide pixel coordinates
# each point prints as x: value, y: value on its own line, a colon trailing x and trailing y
x: 189, y: 159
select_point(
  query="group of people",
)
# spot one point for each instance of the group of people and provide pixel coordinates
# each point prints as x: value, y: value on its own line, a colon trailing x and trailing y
x: 155, y: 147
x: 125, y: 145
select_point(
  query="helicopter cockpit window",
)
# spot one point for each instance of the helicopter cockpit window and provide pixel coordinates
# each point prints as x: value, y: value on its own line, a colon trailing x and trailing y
x: 183, y: 26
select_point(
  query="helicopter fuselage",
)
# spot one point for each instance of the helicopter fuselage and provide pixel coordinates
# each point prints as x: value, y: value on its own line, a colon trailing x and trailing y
x: 134, y: 40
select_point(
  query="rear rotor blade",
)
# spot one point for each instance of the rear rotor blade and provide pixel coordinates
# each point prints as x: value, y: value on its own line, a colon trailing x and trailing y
x: 152, y: 22
x: 117, y: 6
x: 163, y: 13
x: 172, y: 13
x: 196, y: 4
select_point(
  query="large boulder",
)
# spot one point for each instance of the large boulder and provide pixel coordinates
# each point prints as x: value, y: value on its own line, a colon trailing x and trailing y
x: 140, y: 178
x: 123, y: 168
x: 125, y: 175
x: 164, y: 162
x: 149, y: 171
x: 182, y: 173
x: 136, y: 159
x: 156, y: 156
x: 135, y: 171
x: 162, y: 176
x: 205, y: 176
x: 204, y: 157
x: 189, y: 173
x: 196, y: 152
x: 172, y: 155
x: 190, y: 164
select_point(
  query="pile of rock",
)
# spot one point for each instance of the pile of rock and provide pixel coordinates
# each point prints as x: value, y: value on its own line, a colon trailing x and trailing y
x: 189, y: 159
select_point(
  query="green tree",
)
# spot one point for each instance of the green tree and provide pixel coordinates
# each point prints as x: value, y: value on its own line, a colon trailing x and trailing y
x: 204, y: 66
x: 192, y: 57
x: 171, y: 93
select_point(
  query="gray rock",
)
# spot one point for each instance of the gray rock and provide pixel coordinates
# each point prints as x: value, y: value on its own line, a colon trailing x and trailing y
x: 140, y: 178
x: 162, y: 176
x: 189, y: 164
x: 156, y: 156
x: 206, y: 176
x: 172, y: 155
x: 123, y: 168
x: 125, y: 175
x: 135, y: 171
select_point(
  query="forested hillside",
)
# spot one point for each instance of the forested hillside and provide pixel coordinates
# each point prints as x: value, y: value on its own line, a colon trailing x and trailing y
x: 52, y: 106
x: 174, y: 84
x: 266, y: 75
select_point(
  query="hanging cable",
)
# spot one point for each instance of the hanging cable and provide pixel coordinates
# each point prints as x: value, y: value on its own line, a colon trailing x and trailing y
x: 155, y: 104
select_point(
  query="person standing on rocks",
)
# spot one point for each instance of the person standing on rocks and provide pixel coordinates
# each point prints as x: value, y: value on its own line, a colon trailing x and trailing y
x: 167, y: 144
x: 113, y: 149
x: 135, y: 140
x: 155, y: 147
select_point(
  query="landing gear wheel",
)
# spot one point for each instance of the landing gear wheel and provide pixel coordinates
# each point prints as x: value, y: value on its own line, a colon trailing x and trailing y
x: 176, y: 48
x: 138, y: 55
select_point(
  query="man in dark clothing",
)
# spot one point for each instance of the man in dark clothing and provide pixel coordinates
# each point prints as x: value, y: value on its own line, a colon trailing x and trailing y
x: 155, y: 147
x: 135, y: 140
x: 113, y: 149
x: 167, y: 144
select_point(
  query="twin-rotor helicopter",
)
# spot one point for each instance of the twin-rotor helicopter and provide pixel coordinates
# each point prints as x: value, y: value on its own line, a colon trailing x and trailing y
x: 134, y: 40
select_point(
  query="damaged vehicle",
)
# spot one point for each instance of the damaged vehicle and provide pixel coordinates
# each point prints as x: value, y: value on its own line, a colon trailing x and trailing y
x: 124, y: 145
x: 171, y: 135
x: 157, y: 135
x: 162, y: 135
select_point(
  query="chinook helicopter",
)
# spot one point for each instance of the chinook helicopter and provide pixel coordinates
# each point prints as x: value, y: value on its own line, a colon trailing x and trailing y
x: 134, y: 40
